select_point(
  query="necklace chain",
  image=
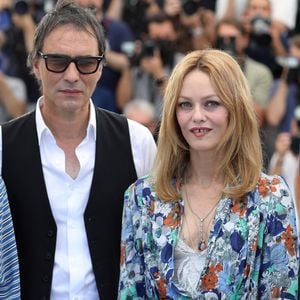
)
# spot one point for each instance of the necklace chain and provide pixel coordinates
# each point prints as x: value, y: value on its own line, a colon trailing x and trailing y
x: 202, y: 244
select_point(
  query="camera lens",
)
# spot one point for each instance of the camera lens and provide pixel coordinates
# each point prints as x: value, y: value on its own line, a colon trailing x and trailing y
x: 148, y: 48
x: 21, y: 8
x: 227, y: 44
x: 190, y: 7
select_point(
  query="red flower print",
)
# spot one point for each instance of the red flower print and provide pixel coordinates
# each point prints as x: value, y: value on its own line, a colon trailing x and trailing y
x: 210, y: 279
x: 161, y: 288
x: 172, y: 220
x: 275, y: 293
x: 265, y: 186
x: 289, y: 240
x: 239, y: 207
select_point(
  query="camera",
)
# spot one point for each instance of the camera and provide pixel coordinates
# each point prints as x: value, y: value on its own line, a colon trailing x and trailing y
x: 260, y: 34
x: 148, y: 48
x: 227, y: 45
x: 21, y: 8
x: 295, y: 144
x: 137, y: 51
x: 289, y: 62
x: 293, y: 65
x: 190, y: 7
x: 260, y: 25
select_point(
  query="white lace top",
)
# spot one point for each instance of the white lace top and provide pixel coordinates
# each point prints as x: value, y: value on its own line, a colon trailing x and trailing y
x: 188, y: 266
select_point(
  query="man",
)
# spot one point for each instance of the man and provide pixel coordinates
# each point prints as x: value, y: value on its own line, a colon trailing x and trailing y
x: 154, y: 60
x: 67, y: 164
x: 268, y: 34
x: 13, y: 93
x: 232, y: 38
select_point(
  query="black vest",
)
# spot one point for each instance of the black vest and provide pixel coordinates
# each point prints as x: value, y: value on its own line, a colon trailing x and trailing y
x: 34, y: 224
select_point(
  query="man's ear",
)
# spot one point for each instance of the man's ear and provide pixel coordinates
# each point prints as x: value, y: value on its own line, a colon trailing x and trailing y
x: 36, y: 68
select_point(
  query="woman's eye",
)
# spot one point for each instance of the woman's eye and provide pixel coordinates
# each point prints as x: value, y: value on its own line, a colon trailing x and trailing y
x: 212, y: 103
x: 185, y: 105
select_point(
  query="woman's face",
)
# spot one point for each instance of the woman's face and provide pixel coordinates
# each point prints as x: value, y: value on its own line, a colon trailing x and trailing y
x: 201, y: 115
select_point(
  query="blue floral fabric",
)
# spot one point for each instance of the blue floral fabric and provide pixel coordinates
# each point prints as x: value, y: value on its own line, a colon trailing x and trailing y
x: 251, y: 254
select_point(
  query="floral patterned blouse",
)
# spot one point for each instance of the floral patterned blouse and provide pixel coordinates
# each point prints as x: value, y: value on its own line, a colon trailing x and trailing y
x: 251, y: 254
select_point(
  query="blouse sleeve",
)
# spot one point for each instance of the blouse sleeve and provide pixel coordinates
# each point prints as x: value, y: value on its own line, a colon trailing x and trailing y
x: 278, y: 275
x: 9, y: 267
x: 134, y: 283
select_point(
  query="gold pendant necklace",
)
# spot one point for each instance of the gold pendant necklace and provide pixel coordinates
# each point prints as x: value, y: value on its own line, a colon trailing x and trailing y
x: 202, y: 244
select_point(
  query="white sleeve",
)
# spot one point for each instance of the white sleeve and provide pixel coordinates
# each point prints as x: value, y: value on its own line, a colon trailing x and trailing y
x: 143, y: 147
x: 285, y: 12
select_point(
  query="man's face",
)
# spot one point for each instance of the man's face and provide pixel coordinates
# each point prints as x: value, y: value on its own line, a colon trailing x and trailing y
x: 260, y: 8
x: 70, y: 90
x: 162, y: 31
x: 228, y: 31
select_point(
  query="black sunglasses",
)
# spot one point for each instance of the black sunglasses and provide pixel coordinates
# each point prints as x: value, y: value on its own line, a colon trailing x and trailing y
x: 59, y: 63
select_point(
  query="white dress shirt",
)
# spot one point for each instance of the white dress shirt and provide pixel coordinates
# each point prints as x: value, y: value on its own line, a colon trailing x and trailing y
x: 73, y: 276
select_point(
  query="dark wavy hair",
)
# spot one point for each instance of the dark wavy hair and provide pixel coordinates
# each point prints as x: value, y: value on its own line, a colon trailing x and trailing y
x: 67, y: 13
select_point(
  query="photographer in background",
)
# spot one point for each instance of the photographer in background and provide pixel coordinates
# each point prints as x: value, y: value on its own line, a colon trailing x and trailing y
x: 114, y: 88
x: 19, y: 38
x: 199, y: 17
x: 285, y: 93
x: 195, y: 22
x: 268, y: 36
x: 232, y: 38
x: 12, y: 89
x: 284, y: 159
x: 282, y: 11
x: 155, y: 56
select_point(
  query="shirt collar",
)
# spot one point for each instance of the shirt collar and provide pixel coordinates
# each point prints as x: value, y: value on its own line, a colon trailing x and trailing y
x: 43, y: 130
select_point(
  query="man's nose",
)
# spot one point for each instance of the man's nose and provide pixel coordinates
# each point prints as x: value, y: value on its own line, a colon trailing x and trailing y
x: 71, y: 73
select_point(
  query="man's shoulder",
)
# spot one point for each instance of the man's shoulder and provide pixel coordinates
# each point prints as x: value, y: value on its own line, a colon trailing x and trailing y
x: 19, y: 120
x: 257, y: 66
x: 104, y: 113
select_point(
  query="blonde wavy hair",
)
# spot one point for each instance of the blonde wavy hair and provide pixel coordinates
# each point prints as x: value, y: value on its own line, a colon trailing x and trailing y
x: 239, y: 149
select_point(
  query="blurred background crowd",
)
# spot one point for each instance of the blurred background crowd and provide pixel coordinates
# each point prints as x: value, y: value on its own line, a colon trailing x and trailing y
x: 146, y: 38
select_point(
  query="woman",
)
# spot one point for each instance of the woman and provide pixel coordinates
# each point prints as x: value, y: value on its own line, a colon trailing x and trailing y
x: 208, y: 224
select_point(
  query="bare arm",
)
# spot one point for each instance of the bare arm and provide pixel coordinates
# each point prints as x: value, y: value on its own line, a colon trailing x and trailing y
x: 117, y: 61
x: 277, y: 105
x: 27, y: 25
x: 115, y: 9
x: 124, y: 90
x: 282, y: 146
x: 229, y: 12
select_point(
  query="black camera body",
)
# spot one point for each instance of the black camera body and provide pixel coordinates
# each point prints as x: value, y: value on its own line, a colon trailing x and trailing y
x: 260, y: 25
x: 21, y: 8
x: 190, y: 7
x: 148, y: 48
x: 260, y: 33
x: 227, y: 45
